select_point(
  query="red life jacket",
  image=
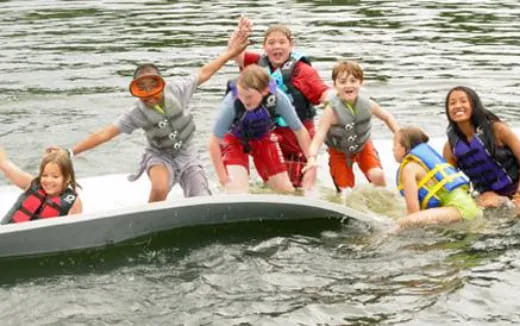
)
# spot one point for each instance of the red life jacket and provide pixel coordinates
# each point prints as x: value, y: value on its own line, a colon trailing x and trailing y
x: 34, y: 204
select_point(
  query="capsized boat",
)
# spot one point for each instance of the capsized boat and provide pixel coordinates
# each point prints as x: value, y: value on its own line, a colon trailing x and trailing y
x: 110, y: 219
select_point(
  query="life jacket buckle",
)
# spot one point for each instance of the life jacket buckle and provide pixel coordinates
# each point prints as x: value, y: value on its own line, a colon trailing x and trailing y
x: 162, y: 124
x: 173, y: 135
x: 349, y: 126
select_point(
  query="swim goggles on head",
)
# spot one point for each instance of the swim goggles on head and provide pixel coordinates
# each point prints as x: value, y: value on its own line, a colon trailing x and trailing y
x: 147, y: 86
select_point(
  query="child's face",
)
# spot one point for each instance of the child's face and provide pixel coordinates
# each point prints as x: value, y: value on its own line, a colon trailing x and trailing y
x: 52, y: 180
x: 347, y: 86
x: 251, y: 98
x: 278, y: 48
x: 459, y: 106
x: 148, y: 88
x: 398, y: 149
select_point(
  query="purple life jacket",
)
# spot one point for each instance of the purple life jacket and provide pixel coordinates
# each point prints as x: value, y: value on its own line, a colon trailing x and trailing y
x: 487, y: 172
x: 255, y: 124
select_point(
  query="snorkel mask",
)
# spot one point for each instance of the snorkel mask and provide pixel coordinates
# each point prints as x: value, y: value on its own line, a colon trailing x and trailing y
x: 147, y: 86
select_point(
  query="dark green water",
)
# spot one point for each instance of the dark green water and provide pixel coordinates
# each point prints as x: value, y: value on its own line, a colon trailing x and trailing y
x: 65, y: 71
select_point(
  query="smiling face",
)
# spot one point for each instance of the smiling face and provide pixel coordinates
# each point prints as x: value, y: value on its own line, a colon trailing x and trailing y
x: 347, y: 86
x: 459, y: 106
x: 277, y: 47
x: 52, y: 180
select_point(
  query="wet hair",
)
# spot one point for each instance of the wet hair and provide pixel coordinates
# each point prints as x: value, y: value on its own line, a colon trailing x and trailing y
x: 278, y: 28
x: 145, y: 68
x: 411, y: 137
x: 481, y: 118
x: 255, y: 77
x: 349, y: 67
x: 61, y: 158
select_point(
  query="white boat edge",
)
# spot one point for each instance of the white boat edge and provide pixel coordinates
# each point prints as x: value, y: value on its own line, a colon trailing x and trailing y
x: 100, y: 229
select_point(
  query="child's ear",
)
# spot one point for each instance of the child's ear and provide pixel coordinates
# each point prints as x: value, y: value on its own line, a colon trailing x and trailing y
x: 265, y: 91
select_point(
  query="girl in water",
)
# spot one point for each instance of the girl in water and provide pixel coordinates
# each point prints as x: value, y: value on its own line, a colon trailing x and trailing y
x: 483, y: 147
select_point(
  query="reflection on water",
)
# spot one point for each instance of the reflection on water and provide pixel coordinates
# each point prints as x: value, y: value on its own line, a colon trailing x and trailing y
x: 65, y: 72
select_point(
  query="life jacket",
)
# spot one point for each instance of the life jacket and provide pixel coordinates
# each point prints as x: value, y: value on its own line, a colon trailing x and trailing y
x: 354, y: 124
x: 255, y: 124
x: 283, y: 77
x: 34, y: 204
x: 444, y: 174
x: 169, y: 129
x: 497, y: 172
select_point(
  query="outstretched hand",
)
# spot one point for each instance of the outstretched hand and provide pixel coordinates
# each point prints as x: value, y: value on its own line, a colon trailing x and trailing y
x: 239, y: 39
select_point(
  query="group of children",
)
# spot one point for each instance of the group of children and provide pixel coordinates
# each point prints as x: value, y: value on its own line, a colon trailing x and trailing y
x: 268, y: 114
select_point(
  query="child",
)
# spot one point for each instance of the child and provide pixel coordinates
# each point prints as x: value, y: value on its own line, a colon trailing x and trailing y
x: 300, y: 81
x: 482, y: 146
x: 345, y: 126
x: 244, y: 127
x: 435, y: 192
x: 162, y: 112
x: 51, y: 194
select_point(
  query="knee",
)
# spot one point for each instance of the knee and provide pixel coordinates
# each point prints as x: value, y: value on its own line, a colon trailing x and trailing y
x: 285, y: 187
x: 159, y: 192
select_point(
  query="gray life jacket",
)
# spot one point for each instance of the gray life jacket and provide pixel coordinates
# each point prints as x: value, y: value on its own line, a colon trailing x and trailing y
x: 353, y: 129
x: 171, y: 130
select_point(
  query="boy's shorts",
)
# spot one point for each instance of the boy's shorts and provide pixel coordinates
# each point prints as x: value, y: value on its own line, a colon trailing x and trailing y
x: 341, y: 166
x: 266, y: 153
x: 185, y: 169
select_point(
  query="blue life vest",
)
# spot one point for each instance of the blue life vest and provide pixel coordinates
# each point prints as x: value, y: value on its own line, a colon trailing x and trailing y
x: 254, y: 124
x: 444, y: 174
x: 283, y: 77
x: 498, y: 172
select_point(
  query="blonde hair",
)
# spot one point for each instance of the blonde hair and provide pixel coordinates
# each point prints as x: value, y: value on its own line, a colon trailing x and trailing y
x: 61, y: 158
x: 255, y: 77
x: 278, y: 28
x: 411, y: 137
x: 349, y: 67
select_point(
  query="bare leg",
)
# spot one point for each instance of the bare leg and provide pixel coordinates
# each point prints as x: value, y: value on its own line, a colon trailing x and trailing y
x: 239, y: 180
x: 280, y: 182
x: 160, y: 179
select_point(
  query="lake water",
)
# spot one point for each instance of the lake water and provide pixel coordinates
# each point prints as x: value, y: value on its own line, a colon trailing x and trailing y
x: 65, y: 69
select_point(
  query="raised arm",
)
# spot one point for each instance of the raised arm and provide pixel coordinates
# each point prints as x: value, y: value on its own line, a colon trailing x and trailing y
x: 236, y: 45
x: 12, y: 172
x: 244, y: 24
x: 385, y: 116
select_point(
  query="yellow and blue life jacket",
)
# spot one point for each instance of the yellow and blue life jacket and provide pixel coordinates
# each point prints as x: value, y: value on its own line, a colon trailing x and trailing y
x: 444, y: 174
